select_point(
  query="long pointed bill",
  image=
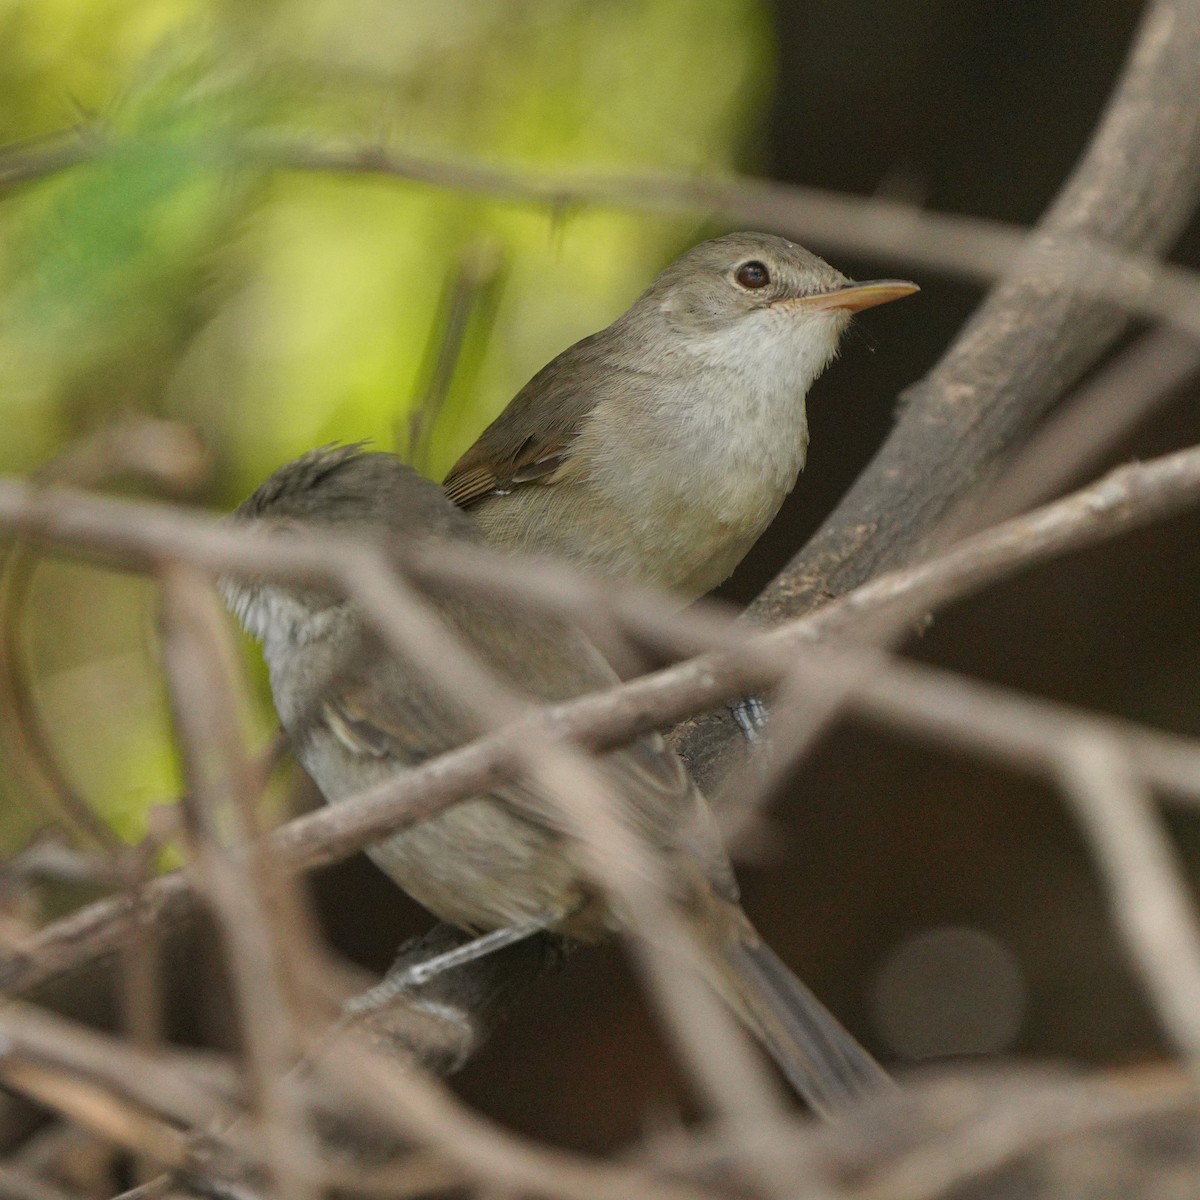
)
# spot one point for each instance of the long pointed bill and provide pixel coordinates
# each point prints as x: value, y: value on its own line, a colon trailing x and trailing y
x: 854, y: 297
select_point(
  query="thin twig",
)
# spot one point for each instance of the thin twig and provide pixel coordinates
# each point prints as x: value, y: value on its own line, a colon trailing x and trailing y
x: 1033, y: 337
x: 1095, y: 418
x: 1144, y: 881
x: 879, y: 610
x: 981, y: 1129
x: 714, y: 1050
x: 427, y: 1113
x: 196, y: 649
x: 866, y: 226
x: 1124, y: 499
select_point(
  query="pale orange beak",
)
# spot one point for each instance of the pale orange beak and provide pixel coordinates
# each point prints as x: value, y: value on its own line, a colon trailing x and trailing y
x: 854, y: 297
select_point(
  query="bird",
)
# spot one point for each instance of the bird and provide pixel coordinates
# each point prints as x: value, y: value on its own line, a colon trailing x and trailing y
x: 357, y: 715
x: 657, y: 450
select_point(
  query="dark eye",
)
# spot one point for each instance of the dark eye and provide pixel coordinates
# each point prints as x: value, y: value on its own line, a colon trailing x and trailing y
x: 752, y: 275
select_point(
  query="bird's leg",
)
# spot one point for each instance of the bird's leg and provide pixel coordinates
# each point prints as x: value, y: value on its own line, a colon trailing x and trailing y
x: 404, y: 976
x: 750, y: 716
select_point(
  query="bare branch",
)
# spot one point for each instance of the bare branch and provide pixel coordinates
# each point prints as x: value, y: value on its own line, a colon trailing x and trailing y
x: 197, y: 655
x: 1152, y: 907
x: 1017, y: 730
x: 1035, y: 335
x: 970, y: 247
x: 1048, y: 1135
x: 157, y: 1103
x: 429, y: 1114
x: 1097, y: 416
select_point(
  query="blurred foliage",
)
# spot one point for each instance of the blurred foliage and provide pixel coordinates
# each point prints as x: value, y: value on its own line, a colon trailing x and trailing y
x: 278, y: 311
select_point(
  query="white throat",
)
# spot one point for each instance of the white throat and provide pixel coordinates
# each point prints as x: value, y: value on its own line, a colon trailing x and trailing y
x: 724, y: 432
x: 273, y: 616
x: 747, y: 413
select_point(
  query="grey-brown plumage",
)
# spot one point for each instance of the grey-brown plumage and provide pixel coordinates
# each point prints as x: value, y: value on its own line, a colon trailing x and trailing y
x: 659, y: 449
x: 356, y: 715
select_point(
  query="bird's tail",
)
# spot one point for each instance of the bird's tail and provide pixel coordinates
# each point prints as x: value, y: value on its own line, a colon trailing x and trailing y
x: 820, y: 1058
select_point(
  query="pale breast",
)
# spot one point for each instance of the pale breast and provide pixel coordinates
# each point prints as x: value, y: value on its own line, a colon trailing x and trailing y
x: 679, y: 473
x: 477, y: 865
x: 704, y: 486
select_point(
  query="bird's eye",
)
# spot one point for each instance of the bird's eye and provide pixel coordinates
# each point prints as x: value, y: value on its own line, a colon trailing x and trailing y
x: 752, y: 275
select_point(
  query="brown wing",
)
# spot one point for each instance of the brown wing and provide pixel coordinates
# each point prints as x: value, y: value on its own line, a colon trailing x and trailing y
x: 531, y: 440
x: 535, y: 461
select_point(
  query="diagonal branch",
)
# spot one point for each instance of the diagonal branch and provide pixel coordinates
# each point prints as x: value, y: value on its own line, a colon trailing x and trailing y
x: 1147, y: 888
x: 930, y: 703
x: 1034, y: 335
x: 877, y: 227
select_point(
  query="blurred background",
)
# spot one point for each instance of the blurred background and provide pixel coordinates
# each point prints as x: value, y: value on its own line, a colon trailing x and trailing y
x: 939, y: 908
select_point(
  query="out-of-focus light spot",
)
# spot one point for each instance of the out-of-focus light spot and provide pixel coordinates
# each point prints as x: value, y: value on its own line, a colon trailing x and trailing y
x: 949, y: 991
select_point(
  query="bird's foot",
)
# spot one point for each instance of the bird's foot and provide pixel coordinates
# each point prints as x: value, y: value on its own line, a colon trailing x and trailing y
x: 406, y: 975
x: 750, y: 715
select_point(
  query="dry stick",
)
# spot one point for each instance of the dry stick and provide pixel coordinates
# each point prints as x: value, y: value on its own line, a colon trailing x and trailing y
x: 156, y: 1104
x: 1099, y: 414
x: 172, y: 459
x: 1146, y: 886
x: 879, y: 610
x: 31, y: 1036
x: 196, y: 648
x: 44, y: 1150
x: 428, y: 1112
x: 875, y: 226
x: 1016, y: 730
x: 1019, y: 731
x: 1152, y: 112
x: 954, y: 1128
x: 101, y: 1109
x: 1032, y: 337
x: 142, y: 535
x: 16, y: 1183
x: 1003, y: 1132
x: 868, y: 226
